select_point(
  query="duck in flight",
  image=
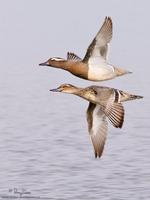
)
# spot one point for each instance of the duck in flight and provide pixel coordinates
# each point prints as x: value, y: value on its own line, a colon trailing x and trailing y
x: 93, y: 66
x: 104, y: 102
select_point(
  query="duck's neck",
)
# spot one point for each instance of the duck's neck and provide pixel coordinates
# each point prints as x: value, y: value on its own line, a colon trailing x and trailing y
x: 81, y: 93
x: 85, y: 94
x: 60, y: 64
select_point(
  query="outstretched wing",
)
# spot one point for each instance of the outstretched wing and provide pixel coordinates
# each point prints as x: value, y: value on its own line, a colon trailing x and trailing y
x: 73, y: 57
x: 97, y: 126
x: 98, y: 48
x: 114, y: 110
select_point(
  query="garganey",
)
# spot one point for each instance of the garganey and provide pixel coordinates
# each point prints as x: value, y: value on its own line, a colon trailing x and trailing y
x: 93, y: 66
x: 104, y: 102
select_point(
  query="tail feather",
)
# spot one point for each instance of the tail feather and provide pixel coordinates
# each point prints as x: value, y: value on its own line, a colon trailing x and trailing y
x: 132, y: 97
x: 127, y: 97
x: 120, y: 71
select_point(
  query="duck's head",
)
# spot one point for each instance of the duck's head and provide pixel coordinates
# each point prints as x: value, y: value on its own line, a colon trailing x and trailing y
x: 87, y: 93
x: 51, y: 61
x: 65, y: 88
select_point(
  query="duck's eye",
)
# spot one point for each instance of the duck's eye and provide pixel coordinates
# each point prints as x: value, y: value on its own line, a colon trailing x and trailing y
x: 94, y: 92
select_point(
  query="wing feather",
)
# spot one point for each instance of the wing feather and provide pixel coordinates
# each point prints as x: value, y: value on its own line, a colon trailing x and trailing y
x: 114, y: 111
x: 73, y: 57
x: 97, y: 128
x: 98, y: 47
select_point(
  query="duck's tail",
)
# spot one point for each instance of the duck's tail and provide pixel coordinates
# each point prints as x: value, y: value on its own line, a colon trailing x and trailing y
x: 127, y: 97
x: 120, y: 71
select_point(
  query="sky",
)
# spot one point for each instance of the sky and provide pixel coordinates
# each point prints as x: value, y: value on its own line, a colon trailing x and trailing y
x: 32, y: 31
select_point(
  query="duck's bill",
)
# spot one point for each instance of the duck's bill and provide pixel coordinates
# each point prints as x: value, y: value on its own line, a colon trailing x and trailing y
x: 54, y: 90
x: 44, y: 64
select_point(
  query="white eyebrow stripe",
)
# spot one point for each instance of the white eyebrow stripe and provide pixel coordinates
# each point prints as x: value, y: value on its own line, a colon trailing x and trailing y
x: 57, y: 59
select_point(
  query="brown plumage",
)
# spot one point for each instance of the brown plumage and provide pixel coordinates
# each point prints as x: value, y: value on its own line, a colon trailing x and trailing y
x: 104, y: 102
x: 94, y: 65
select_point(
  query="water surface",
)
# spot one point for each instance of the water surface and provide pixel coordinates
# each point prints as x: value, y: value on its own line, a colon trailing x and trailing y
x: 44, y: 142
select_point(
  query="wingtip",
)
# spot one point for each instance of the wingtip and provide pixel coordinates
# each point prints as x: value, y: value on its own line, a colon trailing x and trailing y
x: 116, y: 114
x: 98, y: 154
x: 95, y: 154
x: 121, y: 124
x: 108, y: 18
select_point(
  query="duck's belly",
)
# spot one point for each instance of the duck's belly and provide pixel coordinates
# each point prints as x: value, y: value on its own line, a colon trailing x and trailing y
x: 98, y: 73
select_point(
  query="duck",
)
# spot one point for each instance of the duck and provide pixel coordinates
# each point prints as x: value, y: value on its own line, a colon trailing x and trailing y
x: 104, y: 103
x: 94, y: 65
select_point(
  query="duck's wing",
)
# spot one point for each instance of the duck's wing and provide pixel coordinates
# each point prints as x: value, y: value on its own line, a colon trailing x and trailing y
x: 113, y: 109
x: 97, y: 127
x: 73, y: 57
x: 97, y: 50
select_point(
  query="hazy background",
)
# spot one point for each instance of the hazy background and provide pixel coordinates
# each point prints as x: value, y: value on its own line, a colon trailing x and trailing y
x: 44, y: 145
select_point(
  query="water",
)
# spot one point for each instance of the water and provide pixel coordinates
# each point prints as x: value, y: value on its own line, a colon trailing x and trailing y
x: 44, y: 143
x: 45, y: 148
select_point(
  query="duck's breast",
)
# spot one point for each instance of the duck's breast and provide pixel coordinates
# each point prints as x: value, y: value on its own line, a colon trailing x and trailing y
x: 100, y: 72
x: 79, y: 69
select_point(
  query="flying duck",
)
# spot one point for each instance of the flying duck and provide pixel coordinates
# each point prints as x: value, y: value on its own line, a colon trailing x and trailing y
x: 93, y: 66
x: 104, y: 102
